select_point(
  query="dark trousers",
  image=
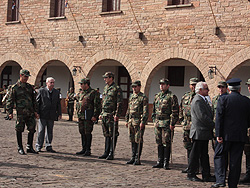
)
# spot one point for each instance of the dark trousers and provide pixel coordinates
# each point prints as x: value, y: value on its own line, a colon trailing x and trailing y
x: 198, y: 152
x: 235, y: 150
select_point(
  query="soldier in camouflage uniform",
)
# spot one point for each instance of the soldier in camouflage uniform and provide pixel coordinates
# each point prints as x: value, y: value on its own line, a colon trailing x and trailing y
x: 246, y: 179
x: 111, y: 111
x: 185, y: 116
x: 88, y: 110
x: 136, y: 119
x: 165, y: 115
x: 70, y: 106
x: 23, y: 97
x: 3, y: 93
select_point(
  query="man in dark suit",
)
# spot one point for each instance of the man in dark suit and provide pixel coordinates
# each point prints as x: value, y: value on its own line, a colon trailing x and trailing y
x: 49, y: 108
x: 201, y: 132
x: 232, y: 121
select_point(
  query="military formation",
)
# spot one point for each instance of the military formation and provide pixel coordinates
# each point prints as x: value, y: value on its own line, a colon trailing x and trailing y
x: 108, y: 109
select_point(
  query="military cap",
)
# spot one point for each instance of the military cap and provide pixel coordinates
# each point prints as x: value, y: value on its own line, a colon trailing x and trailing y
x: 136, y: 83
x: 193, y: 81
x: 108, y: 74
x: 234, y: 82
x: 25, y: 72
x: 248, y: 82
x: 222, y: 83
x: 84, y: 81
x: 164, y: 81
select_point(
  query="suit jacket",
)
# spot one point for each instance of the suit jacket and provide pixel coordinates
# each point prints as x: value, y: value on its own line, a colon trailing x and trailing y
x: 233, y: 117
x: 48, y: 108
x: 202, y: 119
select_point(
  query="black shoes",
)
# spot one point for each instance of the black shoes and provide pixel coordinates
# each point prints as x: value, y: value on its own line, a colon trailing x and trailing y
x: 246, y: 179
x: 185, y: 170
x: 158, y: 165
x: 30, y: 149
x: 218, y: 185
x: 49, y: 149
x: 209, y: 179
x: 194, y: 178
x: 21, y: 151
x: 104, y: 156
x: 81, y: 152
x: 131, y: 161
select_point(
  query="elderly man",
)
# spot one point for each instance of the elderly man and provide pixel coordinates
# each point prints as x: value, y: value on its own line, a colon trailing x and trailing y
x: 49, y: 108
x: 200, y: 133
x: 232, y: 121
x: 23, y: 96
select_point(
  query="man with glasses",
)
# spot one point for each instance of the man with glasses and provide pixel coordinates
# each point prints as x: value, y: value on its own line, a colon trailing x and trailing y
x: 136, y: 119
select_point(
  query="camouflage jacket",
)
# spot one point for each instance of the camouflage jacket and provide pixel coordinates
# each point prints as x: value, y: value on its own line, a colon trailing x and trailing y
x: 137, y: 108
x: 165, y: 109
x: 88, y: 100
x: 185, y: 110
x: 23, y: 96
x: 214, y: 104
x: 112, y: 100
x: 71, y: 97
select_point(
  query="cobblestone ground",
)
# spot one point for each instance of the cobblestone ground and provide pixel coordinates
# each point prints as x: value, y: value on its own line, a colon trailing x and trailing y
x: 65, y: 169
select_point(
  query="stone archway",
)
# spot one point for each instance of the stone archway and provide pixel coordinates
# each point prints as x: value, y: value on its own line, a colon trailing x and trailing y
x: 12, y: 57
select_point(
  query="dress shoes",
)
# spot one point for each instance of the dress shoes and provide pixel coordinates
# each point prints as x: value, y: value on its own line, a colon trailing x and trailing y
x: 246, y: 179
x: 50, y: 150
x: 218, y: 185
x: 209, y: 179
x: 131, y: 161
x: 31, y: 150
x: 185, y: 170
x: 87, y: 153
x: 21, y: 151
x: 81, y: 152
x: 194, y: 178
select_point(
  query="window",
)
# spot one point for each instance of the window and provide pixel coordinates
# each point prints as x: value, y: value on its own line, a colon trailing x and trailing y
x: 110, y: 5
x: 12, y: 11
x: 57, y: 8
x: 176, y: 75
x: 178, y: 2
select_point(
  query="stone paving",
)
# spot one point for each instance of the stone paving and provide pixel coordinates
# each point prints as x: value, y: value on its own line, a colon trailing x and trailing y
x: 65, y: 169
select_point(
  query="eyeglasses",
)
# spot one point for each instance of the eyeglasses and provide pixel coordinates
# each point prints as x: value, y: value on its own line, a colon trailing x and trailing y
x: 206, y: 88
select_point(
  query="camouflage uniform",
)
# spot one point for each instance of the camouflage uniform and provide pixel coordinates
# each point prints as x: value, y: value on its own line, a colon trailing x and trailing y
x: 137, y: 113
x: 3, y: 93
x: 23, y: 97
x: 111, y: 106
x: 70, y: 107
x: 89, y: 106
x: 165, y: 113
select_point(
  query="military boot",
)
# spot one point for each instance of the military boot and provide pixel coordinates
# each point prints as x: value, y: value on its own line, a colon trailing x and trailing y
x: 167, y: 151
x: 19, y: 143
x: 134, y: 149
x: 111, y: 153
x: 186, y: 170
x: 29, y: 146
x: 107, y: 148
x: 83, y: 138
x: 246, y: 179
x: 160, y: 157
x: 138, y: 155
x: 88, y: 145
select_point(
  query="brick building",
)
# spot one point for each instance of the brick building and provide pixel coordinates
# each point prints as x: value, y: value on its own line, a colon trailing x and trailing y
x: 136, y: 39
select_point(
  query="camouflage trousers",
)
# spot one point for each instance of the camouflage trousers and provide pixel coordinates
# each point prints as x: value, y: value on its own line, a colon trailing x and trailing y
x: 163, y: 136
x: 108, y: 126
x: 134, y: 132
x: 186, y: 140
x: 85, y: 126
x: 29, y: 120
x: 70, y: 109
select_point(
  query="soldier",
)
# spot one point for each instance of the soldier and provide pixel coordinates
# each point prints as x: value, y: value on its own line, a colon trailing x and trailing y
x: 165, y: 115
x: 185, y: 116
x: 3, y: 93
x: 88, y: 110
x: 70, y: 106
x: 5, y: 98
x: 246, y: 179
x: 23, y: 97
x: 136, y: 119
x: 111, y: 112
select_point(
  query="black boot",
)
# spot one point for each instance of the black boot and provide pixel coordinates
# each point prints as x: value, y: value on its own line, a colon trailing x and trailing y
x: 29, y: 146
x: 134, y: 149
x: 160, y: 157
x: 186, y: 170
x: 111, y: 153
x: 246, y: 179
x: 107, y: 148
x: 167, y: 151
x: 88, y: 145
x: 19, y: 143
x: 138, y: 154
x: 83, y: 138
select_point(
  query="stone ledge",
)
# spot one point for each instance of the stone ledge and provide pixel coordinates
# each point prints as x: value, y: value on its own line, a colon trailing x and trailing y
x: 111, y: 12
x: 57, y: 18
x: 179, y: 6
x: 12, y: 22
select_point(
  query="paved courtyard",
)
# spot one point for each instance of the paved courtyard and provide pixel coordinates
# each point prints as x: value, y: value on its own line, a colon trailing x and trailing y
x: 65, y: 169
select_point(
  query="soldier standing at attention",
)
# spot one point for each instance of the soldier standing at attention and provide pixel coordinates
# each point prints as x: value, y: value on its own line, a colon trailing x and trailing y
x: 246, y: 179
x: 23, y: 96
x: 111, y: 111
x: 165, y: 115
x: 136, y: 119
x: 70, y: 107
x: 185, y: 116
x: 88, y: 110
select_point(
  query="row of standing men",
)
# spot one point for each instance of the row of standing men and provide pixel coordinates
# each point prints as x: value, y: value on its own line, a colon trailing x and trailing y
x: 90, y: 108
